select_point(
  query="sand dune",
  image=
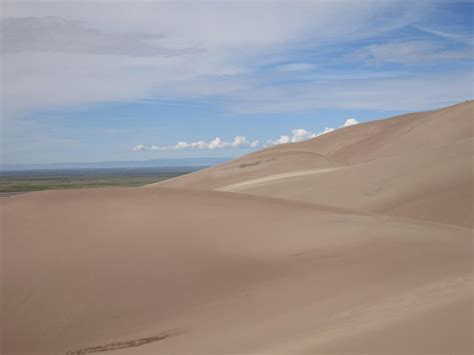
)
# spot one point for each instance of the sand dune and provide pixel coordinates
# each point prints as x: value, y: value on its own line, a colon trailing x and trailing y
x: 430, y: 184
x: 417, y: 165
x: 98, y: 267
x: 359, y: 241
x: 401, y: 135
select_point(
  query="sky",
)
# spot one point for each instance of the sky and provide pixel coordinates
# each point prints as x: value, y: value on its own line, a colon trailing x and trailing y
x: 108, y: 80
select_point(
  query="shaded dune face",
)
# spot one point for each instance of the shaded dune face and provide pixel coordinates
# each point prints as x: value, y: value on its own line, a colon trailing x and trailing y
x: 355, y: 242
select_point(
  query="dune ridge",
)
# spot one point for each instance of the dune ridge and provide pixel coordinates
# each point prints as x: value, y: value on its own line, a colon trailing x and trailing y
x: 357, y: 241
x: 416, y: 165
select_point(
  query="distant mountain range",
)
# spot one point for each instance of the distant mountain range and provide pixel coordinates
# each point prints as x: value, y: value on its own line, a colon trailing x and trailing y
x: 153, y: 163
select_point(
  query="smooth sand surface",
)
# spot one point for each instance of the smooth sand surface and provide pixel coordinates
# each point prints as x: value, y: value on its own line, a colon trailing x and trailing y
x: 356, y: 242
x: 245, y: 185
x: 417, y: 165
x: 431, y: 184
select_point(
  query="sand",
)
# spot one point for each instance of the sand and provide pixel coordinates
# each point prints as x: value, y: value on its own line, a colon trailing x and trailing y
x: 355, y: 242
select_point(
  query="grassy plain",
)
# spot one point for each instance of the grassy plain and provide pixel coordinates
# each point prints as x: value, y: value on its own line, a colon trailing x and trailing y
x: 22, y: 181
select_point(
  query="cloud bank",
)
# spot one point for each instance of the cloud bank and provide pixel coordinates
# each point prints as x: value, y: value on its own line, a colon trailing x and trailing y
x: 216, y: 143
x: 300, y: 134
x: 297, y: 135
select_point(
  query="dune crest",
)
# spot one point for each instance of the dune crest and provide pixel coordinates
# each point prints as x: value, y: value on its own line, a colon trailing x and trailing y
x: 416, y: 165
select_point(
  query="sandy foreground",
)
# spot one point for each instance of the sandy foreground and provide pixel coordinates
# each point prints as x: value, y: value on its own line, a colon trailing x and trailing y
x: 355, y: 242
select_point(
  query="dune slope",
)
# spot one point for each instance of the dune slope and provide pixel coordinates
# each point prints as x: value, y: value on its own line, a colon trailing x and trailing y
x: 416, y: 165
x: 215, y: 272
x: 358, y: 241
x: 431, y: 184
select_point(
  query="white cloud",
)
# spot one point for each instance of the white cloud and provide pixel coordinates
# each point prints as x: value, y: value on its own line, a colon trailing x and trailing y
x: 216, y: 143
x: 281, y: 140
x: 350, y: 122
x: 241, y: 141
x: 181, y: 145
x: 139, y: 148
x: 300, y: 134
x: 326, y: 130
x: 297, y: 135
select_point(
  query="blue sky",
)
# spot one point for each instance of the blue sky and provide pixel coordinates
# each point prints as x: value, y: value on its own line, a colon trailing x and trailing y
x: 95, y: 81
